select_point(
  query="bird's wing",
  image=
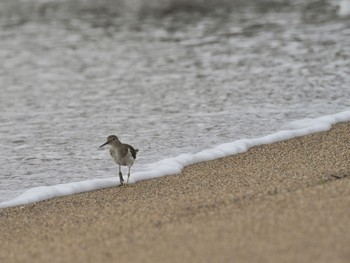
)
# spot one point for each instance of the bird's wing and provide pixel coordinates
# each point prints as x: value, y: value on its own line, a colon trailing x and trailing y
x: 133, y: 151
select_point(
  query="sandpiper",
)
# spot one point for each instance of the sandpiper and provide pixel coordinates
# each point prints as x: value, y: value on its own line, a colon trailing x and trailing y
x: 123, y: 154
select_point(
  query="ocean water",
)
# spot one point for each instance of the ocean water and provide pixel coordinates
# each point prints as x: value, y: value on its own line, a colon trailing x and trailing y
x: 171, y: 84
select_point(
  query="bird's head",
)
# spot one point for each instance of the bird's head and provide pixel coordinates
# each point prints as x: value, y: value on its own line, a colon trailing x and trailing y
x: 110, y: 139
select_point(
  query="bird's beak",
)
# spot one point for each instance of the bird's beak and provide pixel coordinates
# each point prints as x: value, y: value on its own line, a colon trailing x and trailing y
x: 107, y: 142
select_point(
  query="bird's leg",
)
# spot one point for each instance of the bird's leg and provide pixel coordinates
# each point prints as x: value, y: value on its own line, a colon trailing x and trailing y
x: 121, y: 176
x: 127, y: 181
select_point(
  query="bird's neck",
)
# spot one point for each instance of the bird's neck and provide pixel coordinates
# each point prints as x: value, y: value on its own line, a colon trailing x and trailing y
x: 116, y: 143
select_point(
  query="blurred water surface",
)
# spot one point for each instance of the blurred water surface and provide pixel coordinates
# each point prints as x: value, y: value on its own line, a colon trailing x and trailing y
x: 168, y: 78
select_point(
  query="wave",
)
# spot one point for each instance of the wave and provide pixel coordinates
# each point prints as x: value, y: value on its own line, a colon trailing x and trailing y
x: 175, y: 165
x: 17, y: 12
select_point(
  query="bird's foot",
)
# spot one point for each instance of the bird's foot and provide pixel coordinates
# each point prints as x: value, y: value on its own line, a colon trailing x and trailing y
x: 121, y: 179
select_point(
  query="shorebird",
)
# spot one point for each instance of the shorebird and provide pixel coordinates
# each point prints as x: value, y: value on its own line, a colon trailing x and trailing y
x: 123, y: 154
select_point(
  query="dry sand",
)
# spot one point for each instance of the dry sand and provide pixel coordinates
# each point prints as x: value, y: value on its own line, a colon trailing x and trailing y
x: 284, y: 202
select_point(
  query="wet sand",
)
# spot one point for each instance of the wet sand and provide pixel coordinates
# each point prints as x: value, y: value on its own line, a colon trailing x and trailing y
x: 284, y: 202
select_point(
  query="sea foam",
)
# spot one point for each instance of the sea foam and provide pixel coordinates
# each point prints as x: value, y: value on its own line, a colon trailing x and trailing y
x: 175, y: 165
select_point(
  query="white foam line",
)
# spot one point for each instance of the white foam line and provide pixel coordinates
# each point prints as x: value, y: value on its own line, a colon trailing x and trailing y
x: 175, y: 165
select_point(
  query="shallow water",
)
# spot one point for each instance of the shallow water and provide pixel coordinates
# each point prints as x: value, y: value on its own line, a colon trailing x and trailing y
x: 169, y: 86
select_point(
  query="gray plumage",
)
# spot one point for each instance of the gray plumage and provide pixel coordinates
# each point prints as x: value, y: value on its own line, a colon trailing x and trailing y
x: 123, y: 154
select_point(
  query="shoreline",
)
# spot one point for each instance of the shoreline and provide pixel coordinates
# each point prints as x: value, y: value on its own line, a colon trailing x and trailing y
x: 287, y: 201
x: 175, y: 165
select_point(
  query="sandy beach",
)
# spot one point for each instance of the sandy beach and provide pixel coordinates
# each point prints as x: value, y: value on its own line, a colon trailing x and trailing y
x: 284, y: 202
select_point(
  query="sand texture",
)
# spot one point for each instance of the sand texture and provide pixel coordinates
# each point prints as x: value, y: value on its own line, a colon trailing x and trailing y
x: 284, y: 202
